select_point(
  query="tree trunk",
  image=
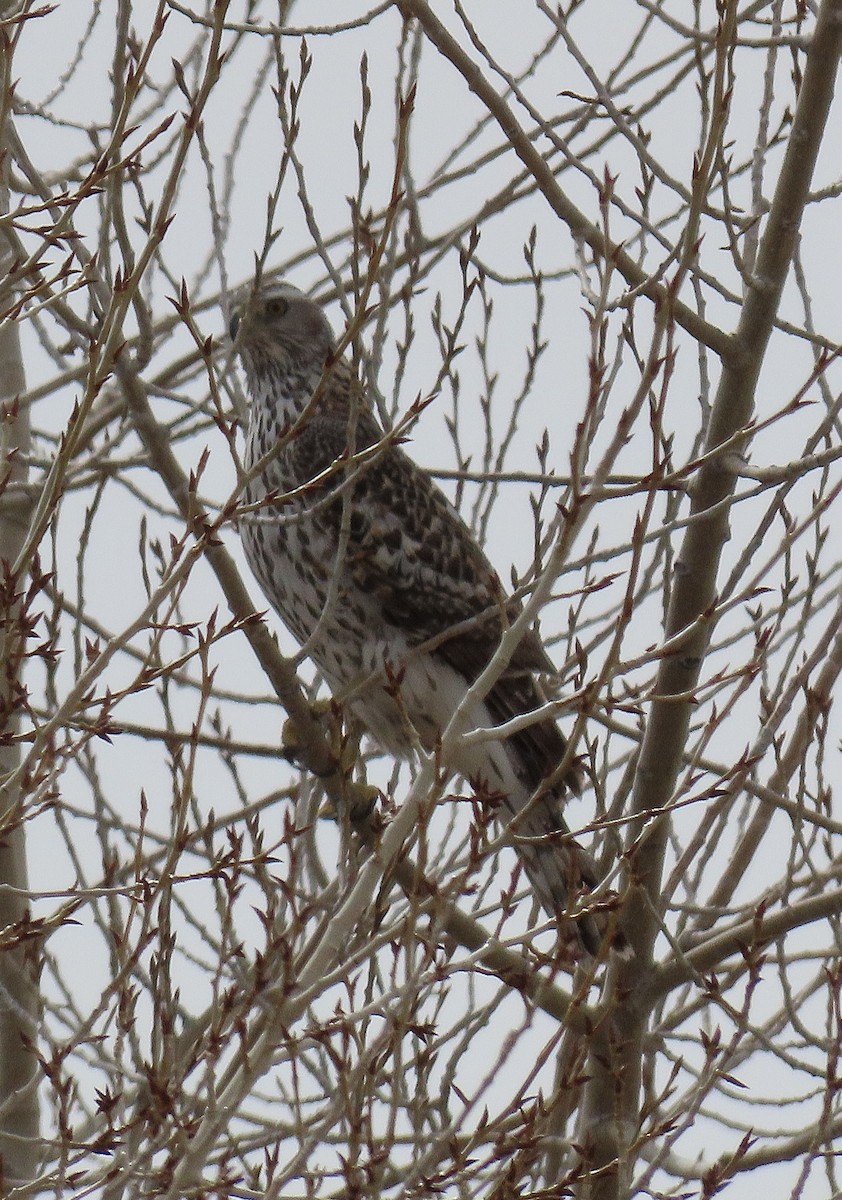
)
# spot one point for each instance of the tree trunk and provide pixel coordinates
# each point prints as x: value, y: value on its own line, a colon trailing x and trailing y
x: 19, y: 1000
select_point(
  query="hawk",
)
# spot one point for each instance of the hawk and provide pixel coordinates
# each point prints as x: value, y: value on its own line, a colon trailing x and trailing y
x: 386, y: 588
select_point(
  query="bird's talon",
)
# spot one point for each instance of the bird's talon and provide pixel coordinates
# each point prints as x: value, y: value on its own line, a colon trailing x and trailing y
x: 362, y: 800
x: 325, y: 712
x: 290, y: 741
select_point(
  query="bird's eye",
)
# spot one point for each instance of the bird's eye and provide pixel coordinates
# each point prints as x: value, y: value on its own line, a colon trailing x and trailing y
x: 277, y: 307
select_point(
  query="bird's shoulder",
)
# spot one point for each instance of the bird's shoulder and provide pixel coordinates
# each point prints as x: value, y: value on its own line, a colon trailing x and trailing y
x: 338, y: 423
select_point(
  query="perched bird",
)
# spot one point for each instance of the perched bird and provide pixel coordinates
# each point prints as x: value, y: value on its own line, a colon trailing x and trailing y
x: 385, y: 587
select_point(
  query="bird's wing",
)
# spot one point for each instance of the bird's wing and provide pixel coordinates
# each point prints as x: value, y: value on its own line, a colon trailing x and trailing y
x: 413, y: 548
x: 408, y: 546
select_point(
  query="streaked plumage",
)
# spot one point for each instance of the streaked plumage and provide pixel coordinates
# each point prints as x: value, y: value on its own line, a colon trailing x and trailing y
x: 366, y: 573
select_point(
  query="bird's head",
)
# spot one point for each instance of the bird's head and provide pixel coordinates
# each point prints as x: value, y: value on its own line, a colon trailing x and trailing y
x: 276, y: 326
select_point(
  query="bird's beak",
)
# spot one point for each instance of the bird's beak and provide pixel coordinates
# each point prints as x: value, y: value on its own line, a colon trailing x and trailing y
x: 234, y: 325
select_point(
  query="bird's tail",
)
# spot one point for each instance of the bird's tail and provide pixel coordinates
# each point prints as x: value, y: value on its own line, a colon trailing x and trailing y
x: 561, y: 872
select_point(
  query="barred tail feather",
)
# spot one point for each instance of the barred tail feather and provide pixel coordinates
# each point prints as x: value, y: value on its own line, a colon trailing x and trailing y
x: 558, y: 868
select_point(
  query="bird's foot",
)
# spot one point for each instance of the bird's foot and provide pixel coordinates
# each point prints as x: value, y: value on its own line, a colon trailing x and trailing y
x: 360, y: 797
x: 343, y: 748
x: 361, y: 800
